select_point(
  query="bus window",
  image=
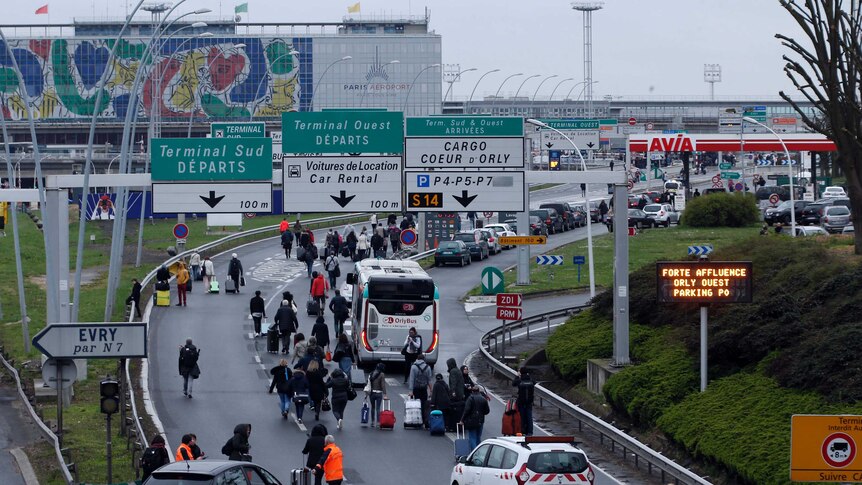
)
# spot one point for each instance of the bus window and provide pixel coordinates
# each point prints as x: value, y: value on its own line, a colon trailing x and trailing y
x: 401, y: 308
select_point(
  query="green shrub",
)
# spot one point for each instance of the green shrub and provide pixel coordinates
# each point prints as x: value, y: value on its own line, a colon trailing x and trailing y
x: 585, y: 336
x: 665, y: 376
x: 721, y: 210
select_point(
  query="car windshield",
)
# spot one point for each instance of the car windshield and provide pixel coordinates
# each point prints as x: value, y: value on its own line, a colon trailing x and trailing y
x: 557, y: 462
x: 784, y: 205
x: 448, y: 245
x: 838, y: 211
x: 534, y: 219
x: 652, y: 208
x: 468, y: 238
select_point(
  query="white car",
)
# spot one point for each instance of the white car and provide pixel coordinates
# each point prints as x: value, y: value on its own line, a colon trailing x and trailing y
x: 833, y: 192
x: 524, y: 459
x: 662, y: 214
x: 502, y: 230
x: 494, y: 246
x: 811, y: 231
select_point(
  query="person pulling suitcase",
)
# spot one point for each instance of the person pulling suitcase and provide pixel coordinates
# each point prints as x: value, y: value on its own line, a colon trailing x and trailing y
x: 286, y: 323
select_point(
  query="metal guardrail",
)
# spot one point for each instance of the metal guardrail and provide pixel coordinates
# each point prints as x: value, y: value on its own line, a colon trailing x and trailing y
x: 152, y: 274
x: 640, y: 451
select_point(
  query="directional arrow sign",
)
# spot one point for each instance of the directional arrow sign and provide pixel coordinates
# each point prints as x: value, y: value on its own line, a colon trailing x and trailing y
x: 342, y: 183
x: 506, y: 313
x: 522, y: 240
x: 212, y: 198
x: 730, y: 175
x: 549, y: 260
x: 474, y: 190
x: 509, y: 299
x: 584, y: 139
x: 92, y: 340
x: 492, y: 281
x: 700, y: 250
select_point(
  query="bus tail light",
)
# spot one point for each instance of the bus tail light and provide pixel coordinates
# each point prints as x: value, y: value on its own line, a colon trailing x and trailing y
x: 365, y: 342
x: 433, y: 342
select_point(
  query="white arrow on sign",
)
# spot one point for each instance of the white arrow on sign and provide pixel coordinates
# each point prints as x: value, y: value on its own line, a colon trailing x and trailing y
x: 92, y: 340
x: 491, y: 280
x: 584, y: 139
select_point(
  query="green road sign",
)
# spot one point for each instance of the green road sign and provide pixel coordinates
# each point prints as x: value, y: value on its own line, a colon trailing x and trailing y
x: 467, y: 126
x: 730, y: 175
x: 209, y: 159
x: 342, y: 132
x: 238, y: 130
x: 725, y: 166
x: 657, y: 173
x: 492, y: 281
x: 572, y: 124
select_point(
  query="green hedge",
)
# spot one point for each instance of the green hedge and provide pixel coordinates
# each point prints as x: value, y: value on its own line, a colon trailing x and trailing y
x: 721, y: 210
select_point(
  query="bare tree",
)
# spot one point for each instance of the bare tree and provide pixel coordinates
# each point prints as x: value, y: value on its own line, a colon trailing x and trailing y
x: 825, y: 67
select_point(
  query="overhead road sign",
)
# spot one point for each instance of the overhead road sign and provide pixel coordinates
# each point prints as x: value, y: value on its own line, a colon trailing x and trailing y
x: 730, y: 175
x: 462, y: 152
x: 704, y: 281
x: 341, y: 183
x: 342, y: 132
x: 825, y: 448
x: 522, y: 240
x: 256, y: 129
x: 92, y: 340
x: 470, y: 190
x: 212, y: 198
x: 465, y: 126
x: 584, y: 139
x: 492, y: 281
x: 549, y: 260
x: 211, y: 159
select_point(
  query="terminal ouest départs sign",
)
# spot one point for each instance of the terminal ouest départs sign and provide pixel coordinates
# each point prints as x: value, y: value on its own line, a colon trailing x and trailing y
x: 211, y: 159
x: 704, y: 281
x: 343, y: 132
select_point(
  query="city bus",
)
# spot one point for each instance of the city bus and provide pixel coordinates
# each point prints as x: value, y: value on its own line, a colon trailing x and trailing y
x: 387, y: 298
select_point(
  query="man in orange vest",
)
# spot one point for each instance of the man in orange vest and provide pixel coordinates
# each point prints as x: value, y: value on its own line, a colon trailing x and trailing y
x: 331, y: 462
x: 184, y: 451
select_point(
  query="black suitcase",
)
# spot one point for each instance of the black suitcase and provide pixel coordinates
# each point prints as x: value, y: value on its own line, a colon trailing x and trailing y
x: 357, y: 377
x: 312, y: 307
x: 272, y: 341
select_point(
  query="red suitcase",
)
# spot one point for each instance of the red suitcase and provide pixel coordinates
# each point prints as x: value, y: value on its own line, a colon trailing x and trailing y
x: 387, y: 416
x: 511, y: 419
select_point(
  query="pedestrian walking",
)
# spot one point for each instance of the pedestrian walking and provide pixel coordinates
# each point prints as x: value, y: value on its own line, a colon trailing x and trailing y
x: 373, y: 222
x: 281, y: 375
x: 526, y: 387
x: 340, y: 311
x: 412, y: 348
x: 286, y: 323
x: 394, y: 238
x: 135, y: 296
x: 331, y: 462
x: 419, y: 384
x: 238, y: 447
x: 184, y: 451
x: 284, y: 226
x: 583, y: 190
x: 312, y: 352
x: 696, y: 193
x: 612, y: 165
x: 320, y: 332
x: 377, y: 391
x: 362, y: 245
x: 257, y: 309
x: 456, y: 391
x: 352, y: 243
x: 297, y: 390
x: 603, y: 210
x: 208, y: 270
x: 468, y: 381
x: 300, y: 346
x: 343, y: 354
x: 234, y: 270
x: 314, y: 448
x: 473, y: 419
x: 376, y: 244
x: 195, y: 265
x: 188, y: 365
x: 318, y: 291
x: 154, y: 457
x: 182, y: 281
x: 341, y: 388
x: 471, y: 216
x: 317, y: 390
x: 333, y: 270
x: 441, y: 399
x: 287, y: 243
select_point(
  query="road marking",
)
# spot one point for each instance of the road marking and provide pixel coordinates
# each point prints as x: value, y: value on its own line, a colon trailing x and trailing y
x: 393, y: 382
x: 257, y: 359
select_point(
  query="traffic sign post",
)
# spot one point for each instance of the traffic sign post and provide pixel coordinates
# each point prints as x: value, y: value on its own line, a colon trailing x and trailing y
x: 824, y: 448
x: 181, y: 232
x: 579, y: 261
x: 472, y: 190
x: 584, y: 134
x: 774, y: 198
x: 93, y: 340
x: 509, y: 308
x: 255, y: 129
x: 523, y: 240
x: 492, y: 281
x: 212, y: 198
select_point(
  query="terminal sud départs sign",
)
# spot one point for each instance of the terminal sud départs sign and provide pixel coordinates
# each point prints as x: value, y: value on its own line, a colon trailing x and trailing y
x: 211, y: 159
x: 704, y: 281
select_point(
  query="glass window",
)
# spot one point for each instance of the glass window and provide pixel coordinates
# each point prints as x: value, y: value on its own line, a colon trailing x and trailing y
x: 510, y: 459
x: 557, y: 462
x: 478, y: 457
x: 495, y: 458
x: 253, y: 477
x: 231, y: 477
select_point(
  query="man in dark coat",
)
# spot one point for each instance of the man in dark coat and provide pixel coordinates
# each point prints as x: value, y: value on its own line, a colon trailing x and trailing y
x: 441, y: 400
x: 340, y: 310
x: 287, y: 323
x: 314, y: 446
x: 239, y: 446
x: 257, y: 309
x: 188, y: 366
x: 320, y: 331
x: 135, y: 296
x: 526, y: 387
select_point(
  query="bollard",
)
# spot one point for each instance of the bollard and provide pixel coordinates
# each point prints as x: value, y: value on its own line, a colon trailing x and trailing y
x: 548, y: 323
x: 528, y: 332
x: 636, y: 461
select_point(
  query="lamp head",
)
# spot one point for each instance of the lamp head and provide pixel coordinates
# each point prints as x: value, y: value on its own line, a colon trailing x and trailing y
x: 536, y: 122
x: 294, y: 52
x: 346, y: 58
x: 202, y: 11
x: 205, y: 34
x: 199, y: 25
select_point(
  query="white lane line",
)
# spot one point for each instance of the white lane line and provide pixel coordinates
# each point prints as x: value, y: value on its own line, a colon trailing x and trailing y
x: 251, y: 335
x: 393, y: 382
x: 257, y: 359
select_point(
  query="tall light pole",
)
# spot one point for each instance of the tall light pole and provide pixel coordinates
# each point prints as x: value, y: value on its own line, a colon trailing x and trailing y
x: 455, y: 79
x: 477, y: 84
x: 551, y: 97
x: 407, y: 96
x: 588, y: 8
x: 314, y: 92
x: 712, y: 75
x: 515, y: 98
x: 591, y: 264
x: 494, y: 101
x: 789, y: 172
x: 365, y: 90
x: 552, y: 76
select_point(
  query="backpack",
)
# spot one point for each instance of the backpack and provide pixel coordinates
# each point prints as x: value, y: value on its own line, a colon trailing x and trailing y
x: 331, y: 263
x: 151, y: 460
x: 234, y: 266
x: 227, y: 449
x: 421, y: 379
x: 189, y: 357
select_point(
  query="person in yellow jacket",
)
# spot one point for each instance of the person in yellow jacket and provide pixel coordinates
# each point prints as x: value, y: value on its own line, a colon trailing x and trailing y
x: 184, y: 451
x: 182, y: 280
x: 331, y: 462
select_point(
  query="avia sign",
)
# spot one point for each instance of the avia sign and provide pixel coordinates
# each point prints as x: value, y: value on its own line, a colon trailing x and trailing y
x: 678, y: 143
x: 729, y: 142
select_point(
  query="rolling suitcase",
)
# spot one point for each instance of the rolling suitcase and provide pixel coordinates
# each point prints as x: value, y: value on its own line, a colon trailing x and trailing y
x: 300, y: 476
x: 436, y: 423
x: 163, y: 298
x: 511, y: 423
x: 462, y: 444
x: 412, y: 414
x: 214, y: 286
x: 230, y: 286
x: 272, y: 341
x: 387, y: 416
x: 312, y: 307
x: 357, y: 377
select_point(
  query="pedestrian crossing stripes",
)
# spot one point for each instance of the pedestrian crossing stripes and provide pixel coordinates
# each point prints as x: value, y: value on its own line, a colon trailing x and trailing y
x: 278, y: 270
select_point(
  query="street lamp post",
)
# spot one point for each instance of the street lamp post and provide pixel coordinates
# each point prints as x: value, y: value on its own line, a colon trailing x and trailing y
x: 407, y: 96
x: 566, y: 101
x: 551, y: 97
x: 365, y: 89
x: 789, y: 172
x: 552, y: 76
x: 455, y: 79
x: 515, y: 98
x: 477, y: 84
x: 494, y: 101
x: 538, y: 123
x: 314, y: 92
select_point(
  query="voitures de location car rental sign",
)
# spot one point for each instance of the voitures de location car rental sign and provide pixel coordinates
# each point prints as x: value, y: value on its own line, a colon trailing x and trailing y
x: 342, y: 161
x: 256, y: 129
x: 92, y: 340
x: 584, y: 133
x: 704, y: 281
x: 825, y: 448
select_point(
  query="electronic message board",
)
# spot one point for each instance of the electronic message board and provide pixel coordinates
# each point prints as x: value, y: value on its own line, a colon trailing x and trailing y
x: 703, y: 281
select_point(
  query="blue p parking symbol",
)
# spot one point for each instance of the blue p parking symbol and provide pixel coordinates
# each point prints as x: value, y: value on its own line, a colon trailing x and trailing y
x: 423, y: 181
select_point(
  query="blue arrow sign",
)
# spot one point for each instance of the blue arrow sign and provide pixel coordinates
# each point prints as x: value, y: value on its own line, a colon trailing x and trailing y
x: 762, y: 163
x: 549, y: 260
x: 579, y: 260
x: 700, y: 250
x: 791, y: 162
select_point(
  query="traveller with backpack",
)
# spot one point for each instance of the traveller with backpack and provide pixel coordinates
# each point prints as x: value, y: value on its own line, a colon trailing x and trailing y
x: 526, y: 388
x: 394, y: 237
x: 234, y: 270
x: 475, y: 410
x: 332, y: 267
x: 297, y: 390
x: 340, y: 310
x: 419, y: 384
x: 287, y: 243
x: 188, y: 366
x: 154, y: 457
x: 286, y: 322
x: 342, y: 391
x: 281, y: 375
x: 343, y: 354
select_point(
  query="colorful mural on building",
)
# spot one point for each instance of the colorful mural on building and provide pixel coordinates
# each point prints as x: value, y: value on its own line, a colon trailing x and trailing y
x: 201, y: 77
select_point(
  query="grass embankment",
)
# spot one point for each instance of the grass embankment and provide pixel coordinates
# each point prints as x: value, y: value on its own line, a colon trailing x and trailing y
x: 84, y: 425
x: 648, y: 246
x: 536, y: 187
x: 788, y: 352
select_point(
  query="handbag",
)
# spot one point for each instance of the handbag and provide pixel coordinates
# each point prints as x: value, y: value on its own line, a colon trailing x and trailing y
x: 404, y: 350
x: 351, y: 393
x: 325, y: 405
x: 367, y: 388
x: 196, y: 372
x: 242, y: 281
x: 301, y: 399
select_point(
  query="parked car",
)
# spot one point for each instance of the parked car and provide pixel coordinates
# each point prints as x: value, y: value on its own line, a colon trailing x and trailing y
x: 782, y: 212
x: 476, y: 243
x: 811, y: 231
x: 580, y: 215
x: 212, y: 471
x: 662, y: 214
x: 502, y: 230
x: 713, y: 190
x: 653, y: 196
x: 494, y: 246
x: 564, y: 209
x: 452, y: 252
x: 835, y: 201
x: 834, y: 191
x: 636, y: 218
x: 763, y: 193
x: 811, y: 214
x: 522, y: 460
x: 594, y: 211
x: 552, y: 219
x: 538, y: 226
x: 835, y: 218
x: 634, y: 200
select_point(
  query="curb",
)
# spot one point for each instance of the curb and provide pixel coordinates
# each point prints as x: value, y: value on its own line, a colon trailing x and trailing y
x: 24, y: 466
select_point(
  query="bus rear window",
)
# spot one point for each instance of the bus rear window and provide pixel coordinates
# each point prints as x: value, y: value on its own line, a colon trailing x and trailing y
x: 401, y: 289
x: 401, y: 308
x: 557, y: 462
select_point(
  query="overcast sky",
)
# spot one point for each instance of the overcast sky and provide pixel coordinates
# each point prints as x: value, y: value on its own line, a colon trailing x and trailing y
x: 641, y: 47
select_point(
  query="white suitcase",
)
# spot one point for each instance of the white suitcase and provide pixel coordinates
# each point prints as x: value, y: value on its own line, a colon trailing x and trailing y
x: 412, y: 413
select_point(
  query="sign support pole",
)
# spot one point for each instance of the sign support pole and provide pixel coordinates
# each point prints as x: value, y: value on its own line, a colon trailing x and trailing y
x: 108, y: 446
x: 503, y: 353
x: 704, y: 316
x: 60, y: 393
x: 523, y: 222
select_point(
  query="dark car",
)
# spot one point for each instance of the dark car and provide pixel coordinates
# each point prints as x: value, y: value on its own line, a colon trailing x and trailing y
x: 452, y: 252
x: 637, y: 218
x: 811, y: 214
x: 634, y: 200
x: 537, y: 226
x: 782, y: 212
x: 564, y: 209
x: 763, y: 193
x: 476, y: 243
x: 653, y: 196
x: 552, y: 219
x: 206, y: 472
x: 714, y: 190
x: 580, y: 215
x: 595, y: 215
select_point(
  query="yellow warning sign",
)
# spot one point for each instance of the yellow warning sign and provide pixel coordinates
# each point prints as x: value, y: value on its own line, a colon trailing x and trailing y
x: 825, y: 448
x: 522, y: 240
